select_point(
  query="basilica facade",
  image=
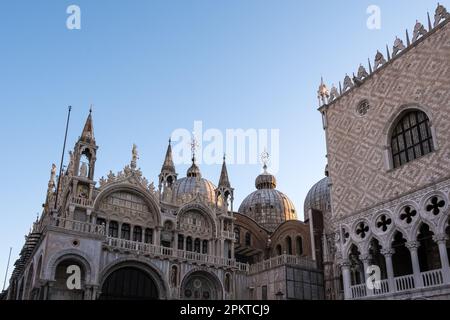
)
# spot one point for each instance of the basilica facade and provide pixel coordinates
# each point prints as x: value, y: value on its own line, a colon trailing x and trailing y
x: 125, y: 238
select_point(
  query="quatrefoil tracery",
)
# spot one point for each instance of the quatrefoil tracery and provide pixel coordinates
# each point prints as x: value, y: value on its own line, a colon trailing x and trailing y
x: 435, y: 205
x: 408, y: 214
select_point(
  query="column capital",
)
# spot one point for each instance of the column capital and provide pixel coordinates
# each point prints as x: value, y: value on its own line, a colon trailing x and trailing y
x: 365, y: 257
x: 344, y: 264
x: 440, y: 238
x: 388, y: 252
x: 413, y: 245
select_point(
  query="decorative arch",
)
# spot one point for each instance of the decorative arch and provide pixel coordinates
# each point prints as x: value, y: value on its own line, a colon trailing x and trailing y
x: 148, y: 199
x: 392, y: 123
x: 204, y: 282
x: 202, y: 210
x: 144, y: 265
x: 415, y: 230
x: 70, y: 254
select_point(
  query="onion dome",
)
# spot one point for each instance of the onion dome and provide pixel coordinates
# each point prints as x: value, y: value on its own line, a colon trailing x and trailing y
x: 268, y: 206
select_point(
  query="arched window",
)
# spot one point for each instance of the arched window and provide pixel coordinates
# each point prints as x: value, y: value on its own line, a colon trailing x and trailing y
x: 125, y: 231
x: 137, y: 234
x: 248, y: 239
x: 205, y: 247
x: 197, y: 245
x: 148, y: 236
x: 278, y: 250
x: 180, y: 242
x: 113, y: 229
x: 411, y: 138
x: 289, y: 245
x: 188, y: 244
x: 237, y: 235
x: 299, y: 246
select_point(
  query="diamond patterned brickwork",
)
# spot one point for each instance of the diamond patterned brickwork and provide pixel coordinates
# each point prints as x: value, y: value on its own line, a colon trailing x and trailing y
x: 356, y: 144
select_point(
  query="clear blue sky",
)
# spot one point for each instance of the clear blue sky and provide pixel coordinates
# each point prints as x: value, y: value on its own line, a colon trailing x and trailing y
x: 150, y: 67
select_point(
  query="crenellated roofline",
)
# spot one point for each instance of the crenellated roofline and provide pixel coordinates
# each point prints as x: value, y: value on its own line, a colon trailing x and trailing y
x: 329, y: 97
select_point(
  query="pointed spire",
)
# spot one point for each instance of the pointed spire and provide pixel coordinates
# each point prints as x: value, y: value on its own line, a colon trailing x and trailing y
x: 408, y: 41
x: 168, y: 165
x: 388, y: 53
x: 224, y: 181
x: 370, y: 66
x: 430, y: 26
x: 88, y: 131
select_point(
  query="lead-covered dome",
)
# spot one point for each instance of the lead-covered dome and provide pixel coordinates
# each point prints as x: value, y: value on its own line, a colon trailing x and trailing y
x: 193, y: 185
x: 318, y: 197
x: 268, y: 206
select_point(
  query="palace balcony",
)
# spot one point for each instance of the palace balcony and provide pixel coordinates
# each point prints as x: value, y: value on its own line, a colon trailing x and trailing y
x: 82, y: 202
x: 405, y: 287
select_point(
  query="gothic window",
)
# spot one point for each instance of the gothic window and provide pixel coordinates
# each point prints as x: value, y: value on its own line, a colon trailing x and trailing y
x: 289, y: 245
x: 205, y: 247
x: 411, y: 138
x: 137, y: 234
x: 299, y: 246
x: 125, y: 231
x: 180, y: 242
x: 197, y: 245
x: 148, y: 235
x: 237, y: 235
x: 188, y: 244
x: 113, y: 229
x: 248, y: 239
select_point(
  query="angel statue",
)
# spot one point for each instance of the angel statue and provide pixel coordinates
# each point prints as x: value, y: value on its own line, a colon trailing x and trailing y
x: 135, y: 153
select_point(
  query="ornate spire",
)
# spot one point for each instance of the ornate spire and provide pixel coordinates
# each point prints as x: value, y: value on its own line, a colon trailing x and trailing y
x: 168, y: 165
x: 323, y: 94
x: 88, y: 131
x: 224, y: 181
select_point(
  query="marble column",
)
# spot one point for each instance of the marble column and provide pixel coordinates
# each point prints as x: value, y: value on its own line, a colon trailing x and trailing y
x: 345, y: 269
x: 441, y: 240
x: 388, y: 253
x: 413, y: 246
x: 366, y: 258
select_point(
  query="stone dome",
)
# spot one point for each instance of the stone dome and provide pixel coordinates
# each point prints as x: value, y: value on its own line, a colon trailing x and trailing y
x: 318, y: 197
x: 268, y: 206
x: 185, y: 189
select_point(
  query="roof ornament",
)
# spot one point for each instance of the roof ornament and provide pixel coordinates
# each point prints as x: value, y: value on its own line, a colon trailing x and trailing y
x: 362, y: 72
x: 333, y: 94
x: 348, y: 83
x: 379, y: 60
x: 194, y: 146
x: 134, y: 157
x: 441, y: 14
x: 323, y: 94
x: 265, y: 156
x: 419, y: 31
x: 398, y: 46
